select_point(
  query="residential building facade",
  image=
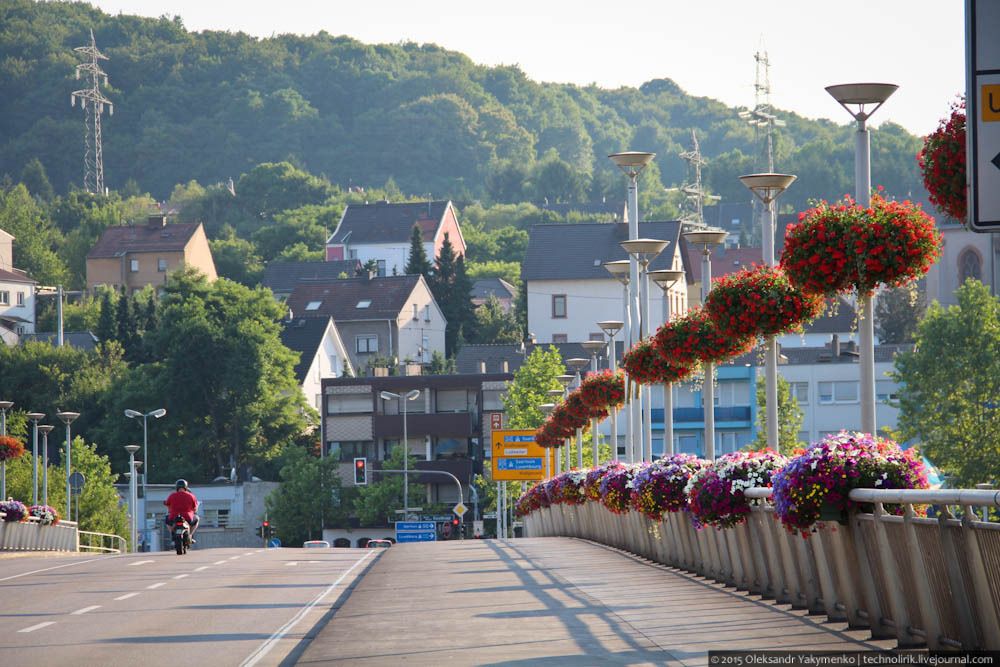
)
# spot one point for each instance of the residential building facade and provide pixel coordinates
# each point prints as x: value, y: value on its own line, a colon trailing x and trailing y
x: 322, y: 354
x: 17, y: 295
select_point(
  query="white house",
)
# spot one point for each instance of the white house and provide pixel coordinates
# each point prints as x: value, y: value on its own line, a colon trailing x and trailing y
x: 17, y: 295
x: 569, y: 290
x: 322, y: 354
x: 382, y: 232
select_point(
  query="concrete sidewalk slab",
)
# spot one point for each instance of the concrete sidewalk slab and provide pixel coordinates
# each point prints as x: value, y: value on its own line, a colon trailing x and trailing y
x: 552, y: 601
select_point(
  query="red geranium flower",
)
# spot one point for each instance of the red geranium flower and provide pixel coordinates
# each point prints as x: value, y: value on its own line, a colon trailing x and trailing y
x: 760, y: 301
x: 942, y: 164
x: 694, y: 337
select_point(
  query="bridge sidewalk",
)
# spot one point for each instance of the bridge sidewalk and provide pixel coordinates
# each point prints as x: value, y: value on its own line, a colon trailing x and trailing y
x: 552, y: 601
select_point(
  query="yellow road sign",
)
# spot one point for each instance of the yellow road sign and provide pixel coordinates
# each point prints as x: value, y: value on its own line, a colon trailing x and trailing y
x: 991, y: 103
x: 516, y: 456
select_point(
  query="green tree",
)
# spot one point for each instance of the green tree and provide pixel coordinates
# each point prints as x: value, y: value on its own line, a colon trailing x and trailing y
x: 106, y: 324
x: 309, y: 499
x: 949, y: 386
x: 236, y: 258
x: 36, y: 180
x: 789, y: 417
x: 493, y: 325
x: 34, y: 236
x: 377, y: 501
x: 452, y: 290
x: 532, y: 380
x: 441, y: 365
x: 417, y: 262
x: 898, y: 312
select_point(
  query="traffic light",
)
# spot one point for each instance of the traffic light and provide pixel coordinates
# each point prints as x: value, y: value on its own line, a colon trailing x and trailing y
x: 455, y: 521
x: 265, y: 529
x: 360, y: 471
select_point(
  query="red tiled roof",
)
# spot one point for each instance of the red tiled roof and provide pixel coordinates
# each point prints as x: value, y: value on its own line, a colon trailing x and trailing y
x: 142, y: 238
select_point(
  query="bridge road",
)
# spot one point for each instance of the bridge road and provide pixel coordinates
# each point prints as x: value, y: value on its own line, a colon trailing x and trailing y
x: 552, y: 601
x: 212, y: 607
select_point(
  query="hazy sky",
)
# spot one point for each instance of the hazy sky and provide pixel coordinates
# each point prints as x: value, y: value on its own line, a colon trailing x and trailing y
x: 706, y: 46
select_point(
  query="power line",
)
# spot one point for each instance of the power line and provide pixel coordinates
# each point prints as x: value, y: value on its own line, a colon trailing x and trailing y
x: 92, y: 101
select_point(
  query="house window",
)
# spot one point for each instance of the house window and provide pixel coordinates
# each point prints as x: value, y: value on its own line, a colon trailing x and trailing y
x: 161, y: 265
x: 4, y: 298
x: 844, y: 391
x: 333, y: 364
x: 559, y: 338
x: 453, y: 400
x: 314, y: 305
x: 427, y: 313
x: 347, y: 451
x: 381, y: 268
x: 597, y: 336
x: 20, y: 299
x: 451, y: 448
x: 134, y: 265
x: 416, y: 316
x: 367, y: 344
x: 969, y: 265
x: 799, y: 391
x: 558, y: 305
x: 725, y: 442
x: 886, y: 390
x: 337, y: 404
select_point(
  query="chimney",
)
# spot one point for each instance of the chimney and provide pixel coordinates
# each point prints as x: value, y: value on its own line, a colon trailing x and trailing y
x: 835, y: 346
x: 156, y: 221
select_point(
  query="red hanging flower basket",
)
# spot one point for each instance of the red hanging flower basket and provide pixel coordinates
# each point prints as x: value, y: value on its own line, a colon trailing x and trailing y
x: 695, y: 338
x: 603, y: 390
x: 645, y: 365
x: 545, y: 436
x: 942, y: 164
x: 567, y: 420
x: 839, y: 247
x: 10, y: 448
x: 760, y: 301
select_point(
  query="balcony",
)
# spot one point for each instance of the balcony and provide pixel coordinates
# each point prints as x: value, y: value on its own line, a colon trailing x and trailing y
x: 442, y: 424
x: 732, y: 413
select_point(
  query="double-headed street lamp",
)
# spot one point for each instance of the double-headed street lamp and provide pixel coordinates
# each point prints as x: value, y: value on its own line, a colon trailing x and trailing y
x: 35, y: 417
x: 403, y: 399
x: 45, y: 430
x: 666, y: 279
x: 68, y: 418
x: 4, y: 407
x: 707, y: 237
x: 610, y: 329
x: 134, y: 414
x: 858, y: 96
x: 767, y: 188
x: 132, y: 496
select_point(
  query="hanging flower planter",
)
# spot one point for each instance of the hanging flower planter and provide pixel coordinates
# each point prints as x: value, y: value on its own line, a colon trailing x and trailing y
x: 567, y: 488
x: 839, y: 247
x: 545, y: 436
x: 715, y: 493
x: 942, y: 164
x: 760, y: 301
x: 14, y: 511
x: 695, y: 338
x: 646, y: 365
x: 603, y: 390
x: 10, y: 448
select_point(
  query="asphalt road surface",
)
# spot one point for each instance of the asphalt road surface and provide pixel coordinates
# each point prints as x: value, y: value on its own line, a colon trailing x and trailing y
x: 213, y: 607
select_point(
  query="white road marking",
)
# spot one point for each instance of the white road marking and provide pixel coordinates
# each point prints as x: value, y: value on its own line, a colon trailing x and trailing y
x: 219, y: 562
x: 202, y: 568
x: 140, y: 562
x: 264, y: 648
x: 291, y: 564
x: 233, y: 557
x: 78, y: 612
x: 126, y: 596
x: 37, y: 627
x: 181, y: 576
x: 162, y: 583
x: 55, y: 567
x: 249, y: 553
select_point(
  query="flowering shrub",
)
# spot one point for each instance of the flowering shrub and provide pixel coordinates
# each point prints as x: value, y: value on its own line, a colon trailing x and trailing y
x: 592, y: 483
x: 567, y: 488
x: 646, y: 365
x: 942, y: 164
x: 46, y: 515
x: 659, y: 487
x: 838, y: 247
x: 616, y: 488
x: 13, y: 510
x: 823, y: 476
x: 533, y: 499
x: 603, y: 390
x: 760, y: 301
x: 715, y: 493
x: 694, y: 337
x: 10, y: 448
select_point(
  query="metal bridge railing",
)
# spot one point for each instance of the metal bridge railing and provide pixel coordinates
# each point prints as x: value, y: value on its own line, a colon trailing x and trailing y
x: 101, y: 542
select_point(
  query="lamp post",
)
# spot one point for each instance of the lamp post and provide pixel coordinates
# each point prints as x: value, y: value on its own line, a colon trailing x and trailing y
x: 132, y: 499
x: 68, y: 418
x: 767, y: 188
x: 35, y: 417
x: 619, y: 271
x: 4, y: 407
x: 666, y: 279
x: 557, y: 395
x: 578, y: 364
x: 594, y: 346
x: 643, y: 251
x: 610, y: 328
x: 133, y: 414
x: 566, y: 380
x: 547, y: 409
x: 45, y: 430
x: 707, y: 237
x: 858, y: 95
x: 403, y: 399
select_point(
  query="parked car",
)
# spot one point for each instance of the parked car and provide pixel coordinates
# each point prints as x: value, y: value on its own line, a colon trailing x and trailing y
x: 316, y: 544
x: 379, y: 544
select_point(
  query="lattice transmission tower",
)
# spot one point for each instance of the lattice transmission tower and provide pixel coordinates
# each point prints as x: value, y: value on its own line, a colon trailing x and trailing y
x: 693, y: 209
x: 92, y: 101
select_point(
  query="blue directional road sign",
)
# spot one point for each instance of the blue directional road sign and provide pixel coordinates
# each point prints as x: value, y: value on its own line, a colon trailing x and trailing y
x: 519, y: 464
x: 416, y: 531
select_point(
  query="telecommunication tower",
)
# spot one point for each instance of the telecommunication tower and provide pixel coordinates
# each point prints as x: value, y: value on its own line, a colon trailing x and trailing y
x: 92, y: 101
x: 692, y: 213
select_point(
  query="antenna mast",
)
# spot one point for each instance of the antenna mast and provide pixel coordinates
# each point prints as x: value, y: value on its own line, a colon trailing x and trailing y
x: 694, y: 193
x: 92, y: 101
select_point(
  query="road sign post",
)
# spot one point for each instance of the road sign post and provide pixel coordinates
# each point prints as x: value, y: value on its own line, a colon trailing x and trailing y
x: 982, y: 48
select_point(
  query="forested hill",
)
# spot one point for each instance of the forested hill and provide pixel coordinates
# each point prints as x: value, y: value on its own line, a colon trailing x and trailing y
x: 211, y: 105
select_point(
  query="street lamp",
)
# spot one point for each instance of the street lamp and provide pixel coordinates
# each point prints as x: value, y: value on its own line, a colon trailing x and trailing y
x: 594, y: 346
x: 666, y: 279
x: 4, y: 407
x: 557, y: 395
x: 408, y: 396
x: 45, y: 429
x: 578, y: 364
x: 132, y: 499
x: 566, y: 380
x: 707, y: 237
x: 547, y: 409
x: 68, y: 418
x: 643, y: 251
x: 35, y: 417
x: 133, y: 414
x: 858, y: 95
x: 619, y: 270
x: 767, y: 188
x: 610, y: 329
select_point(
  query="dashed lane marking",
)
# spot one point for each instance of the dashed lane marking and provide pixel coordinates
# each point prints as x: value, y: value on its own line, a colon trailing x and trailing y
x: 38, y: 626
x: 233, y: 557
x: 151, y: 586
x: 219, y: 562
x: 181, y: 576
x: 202, y: 568
x: 140, y: 562
x: 80, y: 612
x: 126, y: 596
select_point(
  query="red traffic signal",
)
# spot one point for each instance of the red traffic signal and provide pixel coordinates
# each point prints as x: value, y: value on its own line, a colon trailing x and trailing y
x: 267, y: 523
x: 360, y: 471
x: 454, y: 521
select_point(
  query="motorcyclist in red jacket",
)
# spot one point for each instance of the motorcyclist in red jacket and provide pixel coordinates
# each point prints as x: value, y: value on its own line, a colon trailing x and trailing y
x: 182, y: 503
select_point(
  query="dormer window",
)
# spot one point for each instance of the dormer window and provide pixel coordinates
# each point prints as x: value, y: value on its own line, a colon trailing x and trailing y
x: 364, y: 303
x: 314, y: 305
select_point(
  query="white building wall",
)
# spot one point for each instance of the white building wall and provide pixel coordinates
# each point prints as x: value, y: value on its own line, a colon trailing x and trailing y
x: 419, y: 338
x: 396, y: 255
x: 27, y: 311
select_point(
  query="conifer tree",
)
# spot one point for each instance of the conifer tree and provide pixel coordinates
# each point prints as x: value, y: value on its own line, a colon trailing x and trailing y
x: 418, y: 262
x: 107, y: 328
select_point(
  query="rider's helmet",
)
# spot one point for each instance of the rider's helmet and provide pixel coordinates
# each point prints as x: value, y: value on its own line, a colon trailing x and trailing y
x: 181, y: 484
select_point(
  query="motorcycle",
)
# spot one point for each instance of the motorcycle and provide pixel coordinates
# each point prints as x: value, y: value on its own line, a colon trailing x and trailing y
x: 181, y: 532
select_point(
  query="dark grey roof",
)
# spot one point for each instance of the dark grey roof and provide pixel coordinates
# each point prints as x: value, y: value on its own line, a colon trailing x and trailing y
x: 303, y: 335
x: 283, y: 276
x: 469, y: 357
x: 81, y: 340
x: 799, y: 356
x: 722, y: 214
x: 15, y: 276
x: 578, y: 251
x: 383, y: 222
x: 835, y: 318
x: 339, y: 299
x: 484, y: 288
